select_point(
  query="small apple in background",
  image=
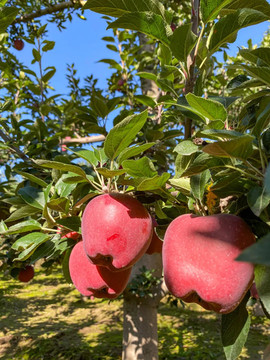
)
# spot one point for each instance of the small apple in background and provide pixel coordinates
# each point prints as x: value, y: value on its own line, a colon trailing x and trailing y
x: 26, y: 274
x: 120, y: 84
x: 116, y: 230
x: 18, y: 44
x: 64, y: 146
x: 199, y: 263
x: 91, y: 280
x: 173, y: 27
x: 72, y: 235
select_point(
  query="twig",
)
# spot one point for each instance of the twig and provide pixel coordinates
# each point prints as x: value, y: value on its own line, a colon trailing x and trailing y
x: 85, y: 140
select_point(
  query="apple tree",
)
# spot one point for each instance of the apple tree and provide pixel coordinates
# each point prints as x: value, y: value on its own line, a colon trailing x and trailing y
x: 191, y: 136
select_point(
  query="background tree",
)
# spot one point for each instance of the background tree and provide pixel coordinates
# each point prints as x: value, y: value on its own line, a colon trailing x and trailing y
x: 197, y: 130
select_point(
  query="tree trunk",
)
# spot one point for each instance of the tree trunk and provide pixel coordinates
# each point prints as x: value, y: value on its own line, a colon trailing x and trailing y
x: 140, y: 335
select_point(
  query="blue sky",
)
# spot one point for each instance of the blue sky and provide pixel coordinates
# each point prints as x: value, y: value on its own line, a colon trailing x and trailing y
x: 81, y: 44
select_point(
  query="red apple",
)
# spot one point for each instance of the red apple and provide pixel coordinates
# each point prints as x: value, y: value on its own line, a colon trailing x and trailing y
x: 72, y: 235
x: 26, y: 274
x: 199, y: 255
x: 92, y: 280
x: 116, y: 230
x: 18, y: 44
x: 173, y: 27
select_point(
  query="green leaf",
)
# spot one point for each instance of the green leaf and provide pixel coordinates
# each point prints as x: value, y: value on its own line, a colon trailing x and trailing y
x: 183, y: 184
x: 198, y: 183
x: 262, y: 53
x: 186, y: 147
x: 262, y: 276
x: 261, y: 73
x: 63, y: 188
x: 99, y: 105
x: 258, y: 199
x: 133, y: 151
x: 258, y: 253
x: 61, y: 166
x: 240, y: 148
x: 182, y: 42
x: 61, y: 204
x: 211, y: 8
x: 22, y: 212
x: 36, y: 55
x: 121, y: 136
x: 87, y: 155
x: 25, y: 226
x: 72, y: 223
x: 32, y: 196
x: 140, y: 168
x: 146, y: 22
x: 49, y: 45
x: 259, y: 5
x: 65, y: 266
x: 146, y: 100
x: 114, y: 64
x: 234, y: 330
x: 267, y: 179
x: 201, y: 163
x: 28, y: 243
x: 226, y: 28
x: 154, y: 183
x: 32, y: 178
x: 209, y: 109
x: 147, y: 75
x: 7, y: 16
x: 46, y: 77
x: 117, y: 8
x: 219, y: 134
x: 110, y: 173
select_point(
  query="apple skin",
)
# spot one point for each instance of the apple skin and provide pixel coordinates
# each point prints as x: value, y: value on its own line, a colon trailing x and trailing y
x: 18, y: 44
x: 72, y: 235
x: 199, y: 263
x: 116, y: 230
x: 91, y: 280
x: 26, y: 274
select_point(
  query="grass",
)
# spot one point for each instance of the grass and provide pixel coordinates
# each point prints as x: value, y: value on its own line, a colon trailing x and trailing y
x: 48, y: 319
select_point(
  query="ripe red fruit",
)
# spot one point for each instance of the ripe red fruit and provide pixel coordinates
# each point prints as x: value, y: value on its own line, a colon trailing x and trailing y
x: 116, y: 230
x: 26, y: 274
x: 92, y: 280
x: 173, y: 27
x: 72, y: 235
x: 199, y: 255
x: 18, y: 44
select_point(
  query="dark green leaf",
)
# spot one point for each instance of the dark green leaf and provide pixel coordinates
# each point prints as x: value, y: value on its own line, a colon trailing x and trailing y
x: 110, y: 173
x: 182, y: 42
x: 258, y: 199
x: 186, y: 147
x: 36, y: 55
x: 198, y: 183
x: 32, y: 178
x: 133, y: 151
x: 240, y: 148
x: 121, y: 136
x: 22, y: 212
x: 226, y: 28
x: 46, y: 77
x: 65, y: 266
x: 63, y: 188
x: 25, y: 226
x: 61, y: 166
x: 114, y: 64
x: 258, y: 253
x: 219, y: 134
x: 146, y: 22
x: 234, y: 330
x: 32, y: 196
x: 201, y: 163
x: 61, y: 204
x: 267, y: 179
x: 28, y: 243
x: 211, y: 8
x: 147, y: 75
x: 261, y: 73
x: 140, y: 168
x: 262, y: 121
x: 154, y: 183
x: 206, y: 108
x: 49, y: 45
x: 262, y: 276
x: 259, y: 5
x: 146, y: 100
x: 72, y: 223
x: 7, y: 16
x: 117, y: 8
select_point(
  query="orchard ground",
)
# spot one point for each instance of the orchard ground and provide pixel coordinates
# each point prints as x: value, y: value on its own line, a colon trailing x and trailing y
x: 48, y: 319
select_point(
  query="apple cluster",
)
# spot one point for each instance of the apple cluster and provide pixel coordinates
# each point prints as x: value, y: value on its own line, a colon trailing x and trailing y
x: 117, y: 231
x: 199, y: 253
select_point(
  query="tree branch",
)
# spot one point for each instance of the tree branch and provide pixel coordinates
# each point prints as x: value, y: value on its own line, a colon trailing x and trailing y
x: 49, y: 10
x: 84, y: 140
x: 16, y: 150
